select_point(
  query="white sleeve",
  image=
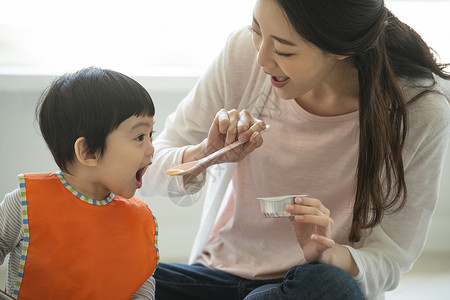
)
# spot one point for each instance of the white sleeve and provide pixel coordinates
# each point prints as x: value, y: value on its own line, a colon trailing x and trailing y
x: 188, y: 125
x: 222, y: 86
x: 393, y: 247
x: 146, y: 291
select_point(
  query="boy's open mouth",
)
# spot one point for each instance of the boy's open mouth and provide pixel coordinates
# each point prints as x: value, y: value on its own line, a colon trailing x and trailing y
x: 139, y: 175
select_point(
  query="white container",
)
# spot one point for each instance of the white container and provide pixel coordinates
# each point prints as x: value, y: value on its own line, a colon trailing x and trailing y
x: 275, y: 207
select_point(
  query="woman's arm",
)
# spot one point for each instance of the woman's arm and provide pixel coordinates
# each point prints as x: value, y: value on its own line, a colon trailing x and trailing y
x: 233, y: 81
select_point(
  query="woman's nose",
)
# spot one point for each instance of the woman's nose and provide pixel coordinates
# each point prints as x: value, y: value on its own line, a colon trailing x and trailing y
x: 265, y: 59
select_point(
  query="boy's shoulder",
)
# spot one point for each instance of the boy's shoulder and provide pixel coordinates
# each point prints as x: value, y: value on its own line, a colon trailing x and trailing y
x: 133, y: 203
x: 12, y: 201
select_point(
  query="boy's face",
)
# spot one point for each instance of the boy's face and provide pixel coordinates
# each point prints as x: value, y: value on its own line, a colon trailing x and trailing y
x: 127, y: 155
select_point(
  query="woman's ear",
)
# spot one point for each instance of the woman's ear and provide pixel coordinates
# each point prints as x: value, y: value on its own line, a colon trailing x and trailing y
x: 341, y: 57
x: 83, y: 155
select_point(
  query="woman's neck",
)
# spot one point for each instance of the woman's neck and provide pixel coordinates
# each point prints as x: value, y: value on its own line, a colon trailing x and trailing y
x: 337, y: 95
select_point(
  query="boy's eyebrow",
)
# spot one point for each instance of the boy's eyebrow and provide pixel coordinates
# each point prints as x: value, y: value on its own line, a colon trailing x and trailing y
x: 280, y: 40
x: 140, y: 124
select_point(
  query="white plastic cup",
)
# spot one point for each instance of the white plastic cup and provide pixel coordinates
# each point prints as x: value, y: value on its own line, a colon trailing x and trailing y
x: 275, y: 207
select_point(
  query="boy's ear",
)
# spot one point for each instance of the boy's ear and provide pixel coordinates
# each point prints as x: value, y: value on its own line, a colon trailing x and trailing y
x: 82, y: 154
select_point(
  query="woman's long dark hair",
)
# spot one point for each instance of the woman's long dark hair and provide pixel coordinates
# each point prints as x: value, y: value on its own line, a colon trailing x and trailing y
x: 382, y: 49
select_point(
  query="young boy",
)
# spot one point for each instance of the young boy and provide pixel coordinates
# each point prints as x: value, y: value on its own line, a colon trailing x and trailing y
x: 80, y: 233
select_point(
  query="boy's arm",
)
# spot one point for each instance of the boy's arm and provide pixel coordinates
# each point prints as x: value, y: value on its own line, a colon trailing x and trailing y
x: 146, y: 291
x: 10, y: 223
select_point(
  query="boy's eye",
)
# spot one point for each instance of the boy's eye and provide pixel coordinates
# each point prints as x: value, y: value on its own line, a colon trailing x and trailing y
x: 141, y: 137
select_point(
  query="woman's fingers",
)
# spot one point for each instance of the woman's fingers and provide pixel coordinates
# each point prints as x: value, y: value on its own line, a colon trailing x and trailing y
x: 231, y: 133
x: 302, y: 207
x: 245, y: 121
x: 313, y: 202
x: 323, y: 221
x: 227, y: 123
x: 232, y: 124
x: 222, y: 121
x: 248, y: 125
x: 228, y: 126
x: 322, y: 240
x: 311, y: 211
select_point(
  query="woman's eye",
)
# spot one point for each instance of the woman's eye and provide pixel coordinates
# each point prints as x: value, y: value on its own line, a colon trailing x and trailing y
x: 252, y: 31
x: 281, y: 54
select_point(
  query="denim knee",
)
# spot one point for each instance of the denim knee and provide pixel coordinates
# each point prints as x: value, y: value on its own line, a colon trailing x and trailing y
x: 323, y: 281
x: 311, y: 281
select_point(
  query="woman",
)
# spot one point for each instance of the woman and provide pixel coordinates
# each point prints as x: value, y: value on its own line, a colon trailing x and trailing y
x: 356, y: 122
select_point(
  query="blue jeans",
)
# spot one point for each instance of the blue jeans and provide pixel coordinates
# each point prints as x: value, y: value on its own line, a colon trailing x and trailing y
x: 309, y: 281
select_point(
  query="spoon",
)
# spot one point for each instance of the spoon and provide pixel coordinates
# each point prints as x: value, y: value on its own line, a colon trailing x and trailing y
x: 193, y: 165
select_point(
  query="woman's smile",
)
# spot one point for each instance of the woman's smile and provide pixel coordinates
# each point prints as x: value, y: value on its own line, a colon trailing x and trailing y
x: 279, y: 81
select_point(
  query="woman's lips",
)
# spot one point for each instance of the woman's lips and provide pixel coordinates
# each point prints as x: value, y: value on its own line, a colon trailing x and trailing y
x: 279, y: 81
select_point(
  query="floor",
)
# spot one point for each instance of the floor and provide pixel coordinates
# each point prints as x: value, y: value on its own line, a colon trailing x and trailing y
x: 429, y: 279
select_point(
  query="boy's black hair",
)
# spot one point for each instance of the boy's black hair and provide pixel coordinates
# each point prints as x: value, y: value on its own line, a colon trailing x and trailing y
x: 90, y: 103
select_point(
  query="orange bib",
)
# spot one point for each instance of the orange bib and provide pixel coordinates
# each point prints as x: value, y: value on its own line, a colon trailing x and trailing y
x: 77, y: 250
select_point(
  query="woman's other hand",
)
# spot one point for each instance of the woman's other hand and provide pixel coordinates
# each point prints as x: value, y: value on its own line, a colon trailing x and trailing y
x: 312, y: 227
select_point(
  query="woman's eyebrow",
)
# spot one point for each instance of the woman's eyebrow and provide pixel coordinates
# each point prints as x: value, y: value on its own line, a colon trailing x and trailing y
x: 278, y: 39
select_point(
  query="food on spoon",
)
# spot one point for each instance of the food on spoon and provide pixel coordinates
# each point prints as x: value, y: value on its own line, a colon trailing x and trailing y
x: 173, y: 171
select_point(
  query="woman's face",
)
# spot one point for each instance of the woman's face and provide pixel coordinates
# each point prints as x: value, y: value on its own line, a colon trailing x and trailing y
x: 295, y: 65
